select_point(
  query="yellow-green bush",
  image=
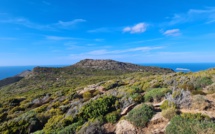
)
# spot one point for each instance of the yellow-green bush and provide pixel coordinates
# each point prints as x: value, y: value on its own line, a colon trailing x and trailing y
x: 155, y: 94
x: 87, y: 95
x: 53, y: 124
x: 169, y: 113
x: 197, y: 116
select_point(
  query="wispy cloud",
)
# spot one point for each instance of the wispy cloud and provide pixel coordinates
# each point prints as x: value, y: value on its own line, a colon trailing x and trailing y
x: 99, y: 40
x: 141, y: 49
x: 172, y: 32
x: 58, y: 38
x: 138, y: 28
x: 70, y: 23
x: 27, y: 23
x: 207, y: 15
x: 121, y: 55
x: 143, y: 41
x: 100, y: 30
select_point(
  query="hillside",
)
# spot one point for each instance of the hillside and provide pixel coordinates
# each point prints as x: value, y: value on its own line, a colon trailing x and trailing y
x: 87, y: 68
x: 14, y: 79
x: 118, y: 66
x: 106, y: 96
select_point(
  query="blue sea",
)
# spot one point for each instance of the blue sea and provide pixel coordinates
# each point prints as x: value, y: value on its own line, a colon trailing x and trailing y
x: 183, y: 67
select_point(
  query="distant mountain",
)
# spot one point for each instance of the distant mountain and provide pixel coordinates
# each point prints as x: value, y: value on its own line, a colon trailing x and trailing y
x: 118, y: 66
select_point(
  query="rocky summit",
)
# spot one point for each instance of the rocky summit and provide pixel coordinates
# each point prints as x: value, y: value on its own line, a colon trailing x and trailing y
x: 120, y: 66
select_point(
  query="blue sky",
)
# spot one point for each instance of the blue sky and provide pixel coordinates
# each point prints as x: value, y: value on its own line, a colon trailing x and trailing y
x: 54, y: 32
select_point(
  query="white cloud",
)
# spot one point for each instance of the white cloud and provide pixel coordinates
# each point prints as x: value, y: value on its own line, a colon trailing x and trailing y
x: 122, y: 55
x: 27, y: 23
x: 172, y: 32
x: 138, y: 28
x: 141, y: 49
x: 70, y: 23
x: 207, y: 15
x: 98, y: 52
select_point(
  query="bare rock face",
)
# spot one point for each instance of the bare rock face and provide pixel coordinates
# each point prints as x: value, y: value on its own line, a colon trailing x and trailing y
x: 109, y: 128
x: 156, y: 125
x: 125, y: 127
x: 210, y: 88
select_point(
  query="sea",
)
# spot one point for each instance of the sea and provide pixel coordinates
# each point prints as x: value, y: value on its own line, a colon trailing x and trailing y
x: 9, y: 71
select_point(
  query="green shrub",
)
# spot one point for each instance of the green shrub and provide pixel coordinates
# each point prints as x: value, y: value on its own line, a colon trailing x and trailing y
x: 155, y: 94
x: 195, y: 92
x: 3, y: 117
x: 39, y: 132
x: 141, y: 115
x: 25, y: 123
x: 53, y: 124
x: 87, y: 95
x: 169, y: 113
x: 112, y: 84
x: 181, y: 125
x: 15, y: 109
x: 136, y: 97
x: 98, y: 107
x: 134, y: 89
x: 71, y: 129
x: 166, y: 104
x: 112, y: 117
x: 197, y: 116
x: 203, y: 82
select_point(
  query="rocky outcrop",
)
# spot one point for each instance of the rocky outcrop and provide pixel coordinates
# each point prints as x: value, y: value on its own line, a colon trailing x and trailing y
x: 156, y: 125
x: 125, y: 127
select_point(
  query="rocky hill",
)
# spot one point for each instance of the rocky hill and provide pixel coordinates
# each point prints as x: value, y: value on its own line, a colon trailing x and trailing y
x: 119, y: 66
x: 87, y: 99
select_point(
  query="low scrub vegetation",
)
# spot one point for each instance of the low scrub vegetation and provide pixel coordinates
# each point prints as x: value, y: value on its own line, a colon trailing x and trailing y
x: 140, y: 115
x: 55, y: 101
x: 155, y: 94
x: 190, y: 124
